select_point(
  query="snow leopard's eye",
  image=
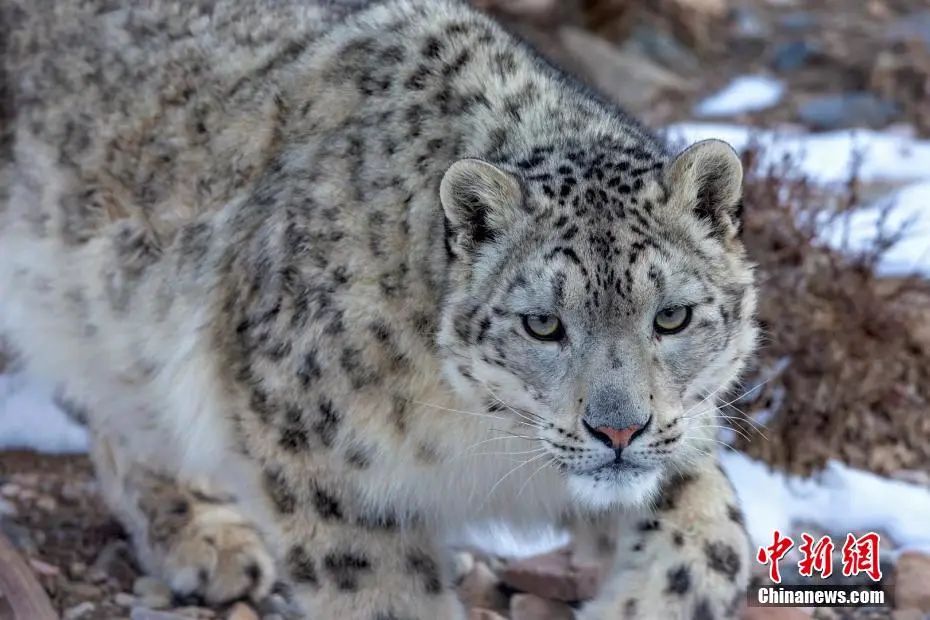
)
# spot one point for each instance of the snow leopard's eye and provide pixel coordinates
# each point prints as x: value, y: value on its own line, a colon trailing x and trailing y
x: 543, y: 326
x: 672, y: 320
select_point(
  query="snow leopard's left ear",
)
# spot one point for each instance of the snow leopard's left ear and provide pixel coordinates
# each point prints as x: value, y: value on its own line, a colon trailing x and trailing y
x: 480, y: 200
x: 707, y: 177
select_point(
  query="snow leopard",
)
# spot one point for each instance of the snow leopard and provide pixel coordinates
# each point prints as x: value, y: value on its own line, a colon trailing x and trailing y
x: 330, y: 282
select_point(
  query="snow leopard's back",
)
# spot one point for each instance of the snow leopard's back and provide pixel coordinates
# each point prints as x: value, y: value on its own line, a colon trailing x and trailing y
x: 150, y: 111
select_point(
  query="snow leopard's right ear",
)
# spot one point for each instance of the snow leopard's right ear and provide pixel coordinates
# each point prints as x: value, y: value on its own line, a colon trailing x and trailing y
x: 707, y: 179
x: 480, y: 200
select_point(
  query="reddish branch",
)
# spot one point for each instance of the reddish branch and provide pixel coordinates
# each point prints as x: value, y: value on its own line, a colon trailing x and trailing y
x: 19, y: 587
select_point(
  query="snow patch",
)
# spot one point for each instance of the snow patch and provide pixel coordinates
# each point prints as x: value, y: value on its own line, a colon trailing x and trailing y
x: 30, y: 419
x: 839, y: 500
x: 825, y: 158
x: 905, y: 212
x: 748, y: 93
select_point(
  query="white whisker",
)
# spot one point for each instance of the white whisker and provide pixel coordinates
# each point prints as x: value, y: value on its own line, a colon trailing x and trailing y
x: 527, y: 481
x: 509, y: 473
x: 721, y: 426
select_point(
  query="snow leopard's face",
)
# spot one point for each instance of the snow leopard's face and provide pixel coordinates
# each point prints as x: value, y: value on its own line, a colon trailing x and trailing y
x: 601, y: 304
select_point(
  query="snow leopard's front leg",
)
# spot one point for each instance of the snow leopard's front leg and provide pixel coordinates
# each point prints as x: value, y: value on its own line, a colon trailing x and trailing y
x: 348, y: 559
x: 687, y: 559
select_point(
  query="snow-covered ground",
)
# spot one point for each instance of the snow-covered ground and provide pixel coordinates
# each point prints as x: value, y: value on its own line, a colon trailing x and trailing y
x: 30, y: 419
x: 748, y: 93
x: 838, y: 500
x: 825, y: 158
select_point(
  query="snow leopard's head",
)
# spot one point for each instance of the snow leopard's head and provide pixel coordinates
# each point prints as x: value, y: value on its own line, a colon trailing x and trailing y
x: 601, y: 301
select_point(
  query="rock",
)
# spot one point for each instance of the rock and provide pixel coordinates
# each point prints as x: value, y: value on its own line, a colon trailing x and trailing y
x: 479, y: 613
x: 83, y: 591
x: 197, y: 613
x: 27, y: 495
x: 530, y: 607
x: 26, y: 479
x: 797, y: 21
x: 912, y: 581
x: 143, y: 613
x: 626, y: 76
x: 20, y: 536
x: 714, y: 8
x: 275, y: 604
x: 114, y: 561
x: 533, y: 10
x: 71, y: 492
x: 7, y: 509
x: 97, y: 576
x: 241, y: 611
x: 44, y: 568
x: 47, y: 503
x: 153, y: 593
x: 552, y: 575
x: 913, y: 27
x: 9, y: 490
x: 480, y: 588
x: 855, y: 109
x: 660, y: 46
x: 78, y: 611
x: 462, y: 563
x: 748, y: 24
x: 793, y: 55
x: 775, y: 613
x: 77, y: 569
x: 124, y: 599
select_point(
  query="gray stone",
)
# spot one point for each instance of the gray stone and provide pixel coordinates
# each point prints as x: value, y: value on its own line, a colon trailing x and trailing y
x: 913, y: 27
x: 912, y: 581
x: 530, y: 607
x: 855, y: 109
x: 797, y: 21
x: 124, y: 599
x: 143, y: 613
x: 748, y: 24
x: 114, y: 561
x: 78, y: 611
x: 662, y: 47
x: 552, y: 575
x: 241, y: 611
x: 7, y: 509
x: 20, y: 536
x: 629, y: 78
x: 793, y: 55
x: 152, y: 592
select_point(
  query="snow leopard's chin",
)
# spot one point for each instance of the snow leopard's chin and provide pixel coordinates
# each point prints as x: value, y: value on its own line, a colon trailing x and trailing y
x: 611, y: 486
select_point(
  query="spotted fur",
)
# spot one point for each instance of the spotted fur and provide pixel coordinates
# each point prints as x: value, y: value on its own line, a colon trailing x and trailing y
x: 291, y: 248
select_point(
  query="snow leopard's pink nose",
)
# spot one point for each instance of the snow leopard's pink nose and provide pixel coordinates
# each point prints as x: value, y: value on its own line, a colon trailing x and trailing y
x: 619, y: 438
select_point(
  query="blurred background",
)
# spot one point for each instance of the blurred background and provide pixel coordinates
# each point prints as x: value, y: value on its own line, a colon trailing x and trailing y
x: 829, y: 103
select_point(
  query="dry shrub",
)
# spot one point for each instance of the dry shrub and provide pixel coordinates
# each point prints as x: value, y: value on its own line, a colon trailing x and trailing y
x: 853, y: 348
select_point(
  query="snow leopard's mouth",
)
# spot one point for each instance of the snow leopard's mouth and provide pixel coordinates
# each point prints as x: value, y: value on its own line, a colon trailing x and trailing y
x: 615, y: 483
x: 617, y: 468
